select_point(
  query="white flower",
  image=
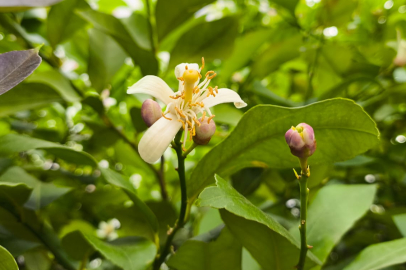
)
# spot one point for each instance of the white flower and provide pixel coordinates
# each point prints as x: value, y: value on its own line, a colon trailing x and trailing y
x: 182, y: 108
x: 107, y: 230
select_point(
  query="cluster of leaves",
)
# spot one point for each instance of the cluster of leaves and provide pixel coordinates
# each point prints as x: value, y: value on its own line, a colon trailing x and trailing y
x: 71, y: 179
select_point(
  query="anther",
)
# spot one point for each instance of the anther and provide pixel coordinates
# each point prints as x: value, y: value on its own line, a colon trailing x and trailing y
x: 211, y: 117
x: 183, y: 123
x: 189, y: 123
x: 196, y: 121
x: 203, y: 116
x: 186, y: 68
x: 202, y: 64
x: 163, y: 115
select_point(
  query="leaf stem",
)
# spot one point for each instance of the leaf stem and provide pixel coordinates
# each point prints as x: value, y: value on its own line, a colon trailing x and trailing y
x: 150, y: 26
x: 304, y: 192
x: 177, y: 145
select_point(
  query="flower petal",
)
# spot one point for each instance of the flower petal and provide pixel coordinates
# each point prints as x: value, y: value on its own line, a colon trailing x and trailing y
x: 154, y: 86
x: 158, y: 137
x: 224, y: 96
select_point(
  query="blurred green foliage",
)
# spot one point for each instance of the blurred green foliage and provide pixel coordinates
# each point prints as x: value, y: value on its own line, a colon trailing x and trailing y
x: 71, y: 179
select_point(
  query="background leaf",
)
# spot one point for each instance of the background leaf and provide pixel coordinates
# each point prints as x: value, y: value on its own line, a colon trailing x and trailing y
x: 380, y: 255
x: 240, y: 216
x: 325, y: 228
x: 209, y: 40
x: 18, y: 5
x: 170, y: 15
x: 136, y: 254
x: 13, y: 143
x: 222, y: 254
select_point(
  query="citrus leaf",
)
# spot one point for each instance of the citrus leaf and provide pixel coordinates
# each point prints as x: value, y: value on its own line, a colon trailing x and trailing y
x: 343, y: 130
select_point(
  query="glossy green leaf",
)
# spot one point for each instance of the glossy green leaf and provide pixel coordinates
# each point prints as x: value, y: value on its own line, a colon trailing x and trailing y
x: 13, y: 143
x: 222, y: 254
x: 138, y: 27
x: 171, y: 14
x: 13, y: 195
x: 400, y: 221
x: 267, y: 241
x: 211, y: 40
x: 116, y: 29
x: 16, y: 66
x: 134, y: 254
x: 42, y: 193
x: 380, y: 255
x: 37, y: 259
x: 62, y: 22
x: 27, y: 96
x: 58, y: 82
x: 245, y: 48
x: 105, y: 59
x: 288, y: 4
x: 137, y: 120
x: 7, y: 261
x: 19, y: 5
x: 326, y: 226
x: 342, y: 128
x: 15, y: 236
x: 275, y: 55
x: 119, y: 180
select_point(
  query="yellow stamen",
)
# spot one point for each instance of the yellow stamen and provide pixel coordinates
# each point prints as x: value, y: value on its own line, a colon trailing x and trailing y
x: 163, y: 115
x: 202, y: 64
x: 189, y: 123
x: 203, y: 116
x: 216, y: 89
x: 180, y: 78
x: 183, y: 123
x: 211, y: 117
x: 197, y: 121
x: 180, y: 112
x: 186, y: 67
x: 213, y: 74
x: 175, y: 97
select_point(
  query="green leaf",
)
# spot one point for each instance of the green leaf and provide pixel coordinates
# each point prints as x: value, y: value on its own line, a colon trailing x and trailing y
x: 13, y: 195
x: 325, y: 227
x: 76, y: 245
x: 105, y: 59
x: 42, y: 193
x: 137, y: 120
x: 58, y: 82
x: 275, y: 55
x: 16, y: 66
x: 27, y: 96
x: 13, y: 143
x: 15, y: 236
x: 267, y: 241
x: 116, y: 29
x: 211, y: 40
x: 118, y: 180
x: 138, y: 26
x: 380, y: 255
x: 245, y: 48
x: 62, y: 22
x: 343, y: 130
x: 222, y: 254
x: 171, y: 14
x: 19, y: 5
x: 134, y: 255
x: 7, y: 261
x: 288, y: 4
x: 400, y: 221
x: 37, y: 259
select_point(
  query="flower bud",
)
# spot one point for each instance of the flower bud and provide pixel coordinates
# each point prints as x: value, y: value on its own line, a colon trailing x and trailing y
x: 150, y: 112
x: 204, y: 132
x: 301, y: 140
x: 400, y: 59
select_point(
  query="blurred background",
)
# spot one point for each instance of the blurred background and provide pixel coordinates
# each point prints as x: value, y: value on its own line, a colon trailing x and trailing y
x: 281, y: 52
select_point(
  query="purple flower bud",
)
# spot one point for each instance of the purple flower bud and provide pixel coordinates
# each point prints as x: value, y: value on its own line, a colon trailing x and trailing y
x: 301, y: 140
x: 150, y: 112
x: 204, y: 132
